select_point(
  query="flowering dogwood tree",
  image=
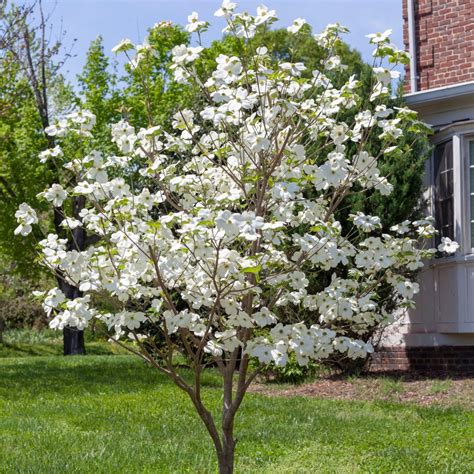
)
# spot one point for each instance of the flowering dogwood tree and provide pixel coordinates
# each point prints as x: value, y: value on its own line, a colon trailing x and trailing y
x: 233, y: 211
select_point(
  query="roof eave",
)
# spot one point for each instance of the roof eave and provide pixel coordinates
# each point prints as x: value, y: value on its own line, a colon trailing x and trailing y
x: 439, y: 94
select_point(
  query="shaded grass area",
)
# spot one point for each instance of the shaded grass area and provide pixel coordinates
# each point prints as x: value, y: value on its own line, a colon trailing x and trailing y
x: 29, y: 342
x: 114, y: 414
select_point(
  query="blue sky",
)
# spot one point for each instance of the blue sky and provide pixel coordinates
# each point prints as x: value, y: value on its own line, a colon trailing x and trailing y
x: 84, y: 20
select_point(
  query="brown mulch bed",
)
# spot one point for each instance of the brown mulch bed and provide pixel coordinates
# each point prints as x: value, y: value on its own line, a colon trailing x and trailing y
x: 425, y: 391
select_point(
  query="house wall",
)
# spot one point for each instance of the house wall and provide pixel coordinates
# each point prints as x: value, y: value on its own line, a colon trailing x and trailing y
x: 445, y: 42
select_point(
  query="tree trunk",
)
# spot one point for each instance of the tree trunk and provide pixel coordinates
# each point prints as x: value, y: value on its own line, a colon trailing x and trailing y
x: 226, y: 456
x: 224, y: 443
x: 73, y: 338
x: 73, y: 341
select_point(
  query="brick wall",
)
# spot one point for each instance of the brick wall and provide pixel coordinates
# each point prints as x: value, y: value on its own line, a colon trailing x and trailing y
x: 445, y: 42
x: 434, y: 360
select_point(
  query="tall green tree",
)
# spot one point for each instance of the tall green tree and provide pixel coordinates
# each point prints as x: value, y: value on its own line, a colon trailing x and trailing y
x: 150, y: 95
x: 30, y: 64
x: 99, y: 91
x: 21, y: 177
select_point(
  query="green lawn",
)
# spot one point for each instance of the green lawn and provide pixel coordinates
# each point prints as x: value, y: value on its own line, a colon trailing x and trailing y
x: 28, y: 342
x: 112, y: 414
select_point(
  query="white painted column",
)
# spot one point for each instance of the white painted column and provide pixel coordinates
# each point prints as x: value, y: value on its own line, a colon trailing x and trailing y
x: 460, y: 192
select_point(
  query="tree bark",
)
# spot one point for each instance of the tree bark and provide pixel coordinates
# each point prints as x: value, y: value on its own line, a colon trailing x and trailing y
x: 226, y: 456
x: 224, y: 442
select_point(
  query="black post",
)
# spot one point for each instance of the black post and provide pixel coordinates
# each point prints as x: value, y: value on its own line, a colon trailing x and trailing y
x: 73, y: 341
x: 73, y: 338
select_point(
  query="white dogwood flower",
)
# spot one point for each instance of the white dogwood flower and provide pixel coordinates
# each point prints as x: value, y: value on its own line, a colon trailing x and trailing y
x: 26, y: 217
x: 297, y: 25
x: 447, y: 245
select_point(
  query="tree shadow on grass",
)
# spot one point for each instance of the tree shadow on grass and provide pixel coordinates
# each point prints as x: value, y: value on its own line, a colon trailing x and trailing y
x: 78, y: 375
x: 27, y: 350
x: 24, y: 349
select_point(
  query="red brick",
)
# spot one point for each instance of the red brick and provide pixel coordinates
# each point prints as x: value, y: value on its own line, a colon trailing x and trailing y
x: 445, y: 42
x: 443, y: 359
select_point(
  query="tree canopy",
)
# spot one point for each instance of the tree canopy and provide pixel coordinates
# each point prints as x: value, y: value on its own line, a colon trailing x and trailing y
x: 227, y: 231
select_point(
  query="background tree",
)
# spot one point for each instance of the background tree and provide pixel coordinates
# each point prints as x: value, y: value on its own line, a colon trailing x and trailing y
x: 99, y: 90
x: 21, y: 178
x: 37, y: 92
x: 150, y: 95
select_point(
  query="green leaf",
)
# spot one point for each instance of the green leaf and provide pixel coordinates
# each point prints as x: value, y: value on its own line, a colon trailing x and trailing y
x: 256, y: 269
x: 208, y: 223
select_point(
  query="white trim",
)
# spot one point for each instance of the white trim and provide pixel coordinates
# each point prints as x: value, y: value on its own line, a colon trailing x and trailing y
x: 466, y: 157
x: 465, y: 127
x: 458, y: 194
x: 412, y: 45
x: 440, y: 93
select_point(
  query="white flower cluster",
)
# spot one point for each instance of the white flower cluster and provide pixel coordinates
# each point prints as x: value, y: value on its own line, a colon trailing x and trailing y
x: 26, y: 217
x: 80, y: 122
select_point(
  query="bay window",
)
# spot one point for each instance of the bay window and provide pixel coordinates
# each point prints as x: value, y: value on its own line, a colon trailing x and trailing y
x: 452, y: 189
x: 451, y: 278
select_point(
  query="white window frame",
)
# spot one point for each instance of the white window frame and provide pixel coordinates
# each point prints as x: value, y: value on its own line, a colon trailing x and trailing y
x: 461, y: 135
x: 460, y: 194
x: 467, y: 140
